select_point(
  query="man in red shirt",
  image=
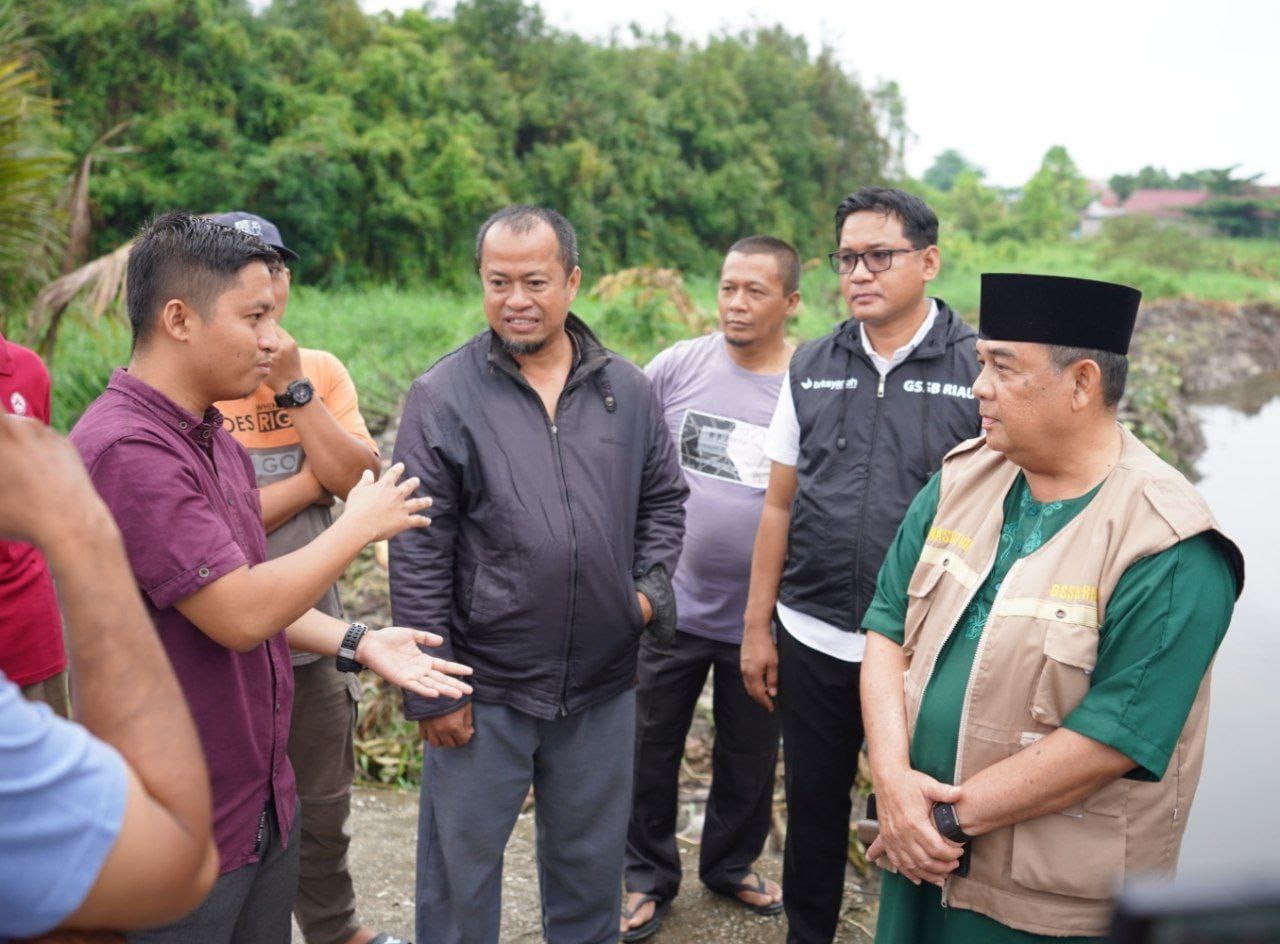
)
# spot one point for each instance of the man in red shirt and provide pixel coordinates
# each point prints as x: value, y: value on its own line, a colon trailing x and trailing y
x: 31, y: 650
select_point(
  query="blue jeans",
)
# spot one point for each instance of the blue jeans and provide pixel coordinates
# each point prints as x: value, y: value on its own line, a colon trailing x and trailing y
x: 580, y: 768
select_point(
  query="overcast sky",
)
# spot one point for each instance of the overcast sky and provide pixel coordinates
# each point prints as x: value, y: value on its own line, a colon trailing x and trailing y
x: 1121, y: 83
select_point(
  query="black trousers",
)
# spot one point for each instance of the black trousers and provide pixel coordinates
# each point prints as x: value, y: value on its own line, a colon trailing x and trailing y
x: 821, y: 734
x: 743, y: 760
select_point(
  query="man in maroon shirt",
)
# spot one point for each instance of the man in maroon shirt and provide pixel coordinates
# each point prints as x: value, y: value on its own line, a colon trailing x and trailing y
x: 183, y: 493
x: 31, y: 650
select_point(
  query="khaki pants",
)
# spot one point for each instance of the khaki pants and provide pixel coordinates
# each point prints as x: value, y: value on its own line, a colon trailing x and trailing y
x: 53, y: 692
x: 322, y: 751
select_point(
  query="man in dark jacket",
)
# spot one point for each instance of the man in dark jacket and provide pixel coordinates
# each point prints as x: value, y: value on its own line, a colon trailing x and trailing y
x: 557, y: 519
x: 864, y: 418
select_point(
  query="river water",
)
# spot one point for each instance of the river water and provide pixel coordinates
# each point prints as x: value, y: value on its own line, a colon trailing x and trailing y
x: 1235, y: 821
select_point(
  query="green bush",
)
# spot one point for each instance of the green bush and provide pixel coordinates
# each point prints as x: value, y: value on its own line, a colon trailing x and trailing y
x: 1165, y: 245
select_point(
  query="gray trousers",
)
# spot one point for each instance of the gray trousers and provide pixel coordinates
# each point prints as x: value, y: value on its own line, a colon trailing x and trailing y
x: 248, y: 905
x: 580, y: 768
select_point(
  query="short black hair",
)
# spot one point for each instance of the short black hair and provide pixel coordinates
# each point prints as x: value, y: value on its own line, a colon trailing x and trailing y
x: 1114, y: 367
x: 179, y: 255
x: 783, y: 253
x: 919, y: 223
x: 522, y: 218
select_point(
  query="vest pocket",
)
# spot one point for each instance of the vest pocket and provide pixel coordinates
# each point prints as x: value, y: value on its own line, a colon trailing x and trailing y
x: 1070, y: 653
x: 919, y: 592
x: 1072, y: 853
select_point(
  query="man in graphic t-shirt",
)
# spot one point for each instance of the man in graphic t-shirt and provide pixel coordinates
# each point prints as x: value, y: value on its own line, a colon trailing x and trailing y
x: 309, y: 444
x: 717, y: 394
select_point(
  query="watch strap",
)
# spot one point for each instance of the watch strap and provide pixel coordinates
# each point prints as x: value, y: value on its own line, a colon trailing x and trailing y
x: 347, y: 649
x: 288, y: 399
x: 948, y: 824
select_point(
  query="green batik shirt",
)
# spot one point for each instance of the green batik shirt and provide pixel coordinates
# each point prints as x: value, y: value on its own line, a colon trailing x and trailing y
x: 1163, y: 624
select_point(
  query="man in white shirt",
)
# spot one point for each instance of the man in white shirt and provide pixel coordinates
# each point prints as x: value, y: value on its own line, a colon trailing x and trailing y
x: 864, y: 417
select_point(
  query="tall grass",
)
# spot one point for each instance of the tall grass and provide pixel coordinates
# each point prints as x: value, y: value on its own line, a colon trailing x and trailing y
x: 388, y: 335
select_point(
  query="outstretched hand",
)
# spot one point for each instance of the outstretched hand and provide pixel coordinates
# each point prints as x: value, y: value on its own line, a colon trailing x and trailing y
x: 393, y: 653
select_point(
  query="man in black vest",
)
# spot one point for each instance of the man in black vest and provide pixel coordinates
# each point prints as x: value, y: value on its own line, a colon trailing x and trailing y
x: 865, y: 416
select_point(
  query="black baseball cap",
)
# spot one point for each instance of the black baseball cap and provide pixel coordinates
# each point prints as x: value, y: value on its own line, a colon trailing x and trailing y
x: 255, y: 225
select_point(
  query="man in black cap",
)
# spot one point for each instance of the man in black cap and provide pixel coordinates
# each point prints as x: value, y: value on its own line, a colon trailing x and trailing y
x: 309, y: 445
x: 1035, y: 681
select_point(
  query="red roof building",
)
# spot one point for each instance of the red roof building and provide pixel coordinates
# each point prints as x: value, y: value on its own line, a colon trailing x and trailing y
x: 1166, y: 204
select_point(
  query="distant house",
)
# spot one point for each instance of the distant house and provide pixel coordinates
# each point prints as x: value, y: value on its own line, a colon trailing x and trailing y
x: 1103, y: 205
x: 1163, y: 204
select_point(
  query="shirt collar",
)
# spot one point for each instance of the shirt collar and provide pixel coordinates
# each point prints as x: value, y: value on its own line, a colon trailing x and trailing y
x: 199, y: 430
x: 883, y: 364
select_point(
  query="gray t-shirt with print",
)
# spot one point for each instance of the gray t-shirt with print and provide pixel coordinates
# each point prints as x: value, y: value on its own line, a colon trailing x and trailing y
x: 718, y: 414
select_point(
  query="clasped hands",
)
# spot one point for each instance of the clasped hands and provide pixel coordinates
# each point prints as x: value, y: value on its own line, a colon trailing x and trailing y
x: 908, y: 838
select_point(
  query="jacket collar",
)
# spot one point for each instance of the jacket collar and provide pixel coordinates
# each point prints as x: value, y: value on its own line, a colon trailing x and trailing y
x: 947, y: 329
x: 589, y: 355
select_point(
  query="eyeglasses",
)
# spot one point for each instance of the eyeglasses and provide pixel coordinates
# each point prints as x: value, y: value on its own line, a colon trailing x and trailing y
x: 876, y: 260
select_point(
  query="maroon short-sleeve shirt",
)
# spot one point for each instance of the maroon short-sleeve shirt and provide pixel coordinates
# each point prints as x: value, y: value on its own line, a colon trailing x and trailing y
x: 183, y: 493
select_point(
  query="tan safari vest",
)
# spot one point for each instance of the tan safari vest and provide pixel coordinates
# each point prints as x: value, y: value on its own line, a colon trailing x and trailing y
x: 1054, y: 874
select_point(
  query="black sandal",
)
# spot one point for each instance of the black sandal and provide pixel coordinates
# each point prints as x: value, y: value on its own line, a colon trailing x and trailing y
x: 650, y: 927
x: 760, y: 887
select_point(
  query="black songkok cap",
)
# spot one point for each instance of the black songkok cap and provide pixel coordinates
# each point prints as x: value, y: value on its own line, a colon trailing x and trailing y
x: 1055, y: 309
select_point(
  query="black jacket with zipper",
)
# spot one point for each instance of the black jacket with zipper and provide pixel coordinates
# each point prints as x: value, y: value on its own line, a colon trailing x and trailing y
x: 540, y: 529
x: 867, y: 446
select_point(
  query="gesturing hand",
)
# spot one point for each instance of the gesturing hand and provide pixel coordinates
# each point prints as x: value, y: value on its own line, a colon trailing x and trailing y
x: 907, y: 835
x: 394, y: 654
x: 385, y: 507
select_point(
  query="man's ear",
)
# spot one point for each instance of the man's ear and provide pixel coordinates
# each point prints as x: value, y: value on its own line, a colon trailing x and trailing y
x: 1088, y: 383
x: 176, y: 320
x: 793, y: 304
x: 575, y: 279
x: 931, y: 261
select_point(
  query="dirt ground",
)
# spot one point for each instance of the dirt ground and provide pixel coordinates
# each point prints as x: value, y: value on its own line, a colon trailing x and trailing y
x: 385, y: 822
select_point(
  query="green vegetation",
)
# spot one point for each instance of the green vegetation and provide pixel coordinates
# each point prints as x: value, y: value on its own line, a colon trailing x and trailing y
x: 387, y: 335
x: 377, y: 142
x: 31, y: 170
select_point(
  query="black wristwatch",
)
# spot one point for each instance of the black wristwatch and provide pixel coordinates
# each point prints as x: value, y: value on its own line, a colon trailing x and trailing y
x: 948, y: 824
x: 347, y: 651
x: 298, y: 393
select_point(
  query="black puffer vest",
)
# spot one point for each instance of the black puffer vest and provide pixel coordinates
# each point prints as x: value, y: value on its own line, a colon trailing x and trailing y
x: 867, y: 445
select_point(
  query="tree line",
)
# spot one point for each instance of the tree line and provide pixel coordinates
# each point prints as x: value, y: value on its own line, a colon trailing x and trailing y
x: 379, y: 142
x: 1047, y: 207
